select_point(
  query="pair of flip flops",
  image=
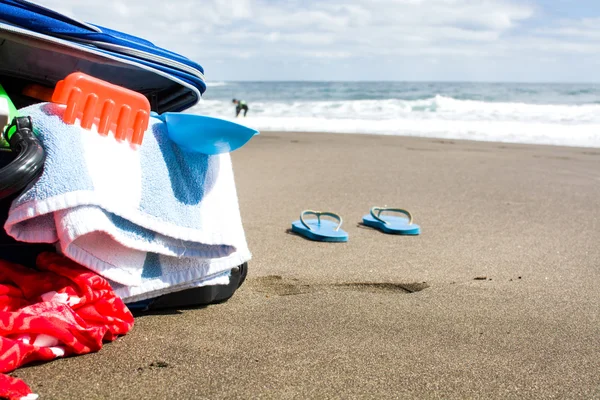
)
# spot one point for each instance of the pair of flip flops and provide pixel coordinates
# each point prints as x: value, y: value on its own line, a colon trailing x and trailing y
x: 324, y: 230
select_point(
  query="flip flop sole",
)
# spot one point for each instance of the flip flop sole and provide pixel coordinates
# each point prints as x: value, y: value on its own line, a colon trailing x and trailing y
x: 322, y: 232
x: 393, y: 225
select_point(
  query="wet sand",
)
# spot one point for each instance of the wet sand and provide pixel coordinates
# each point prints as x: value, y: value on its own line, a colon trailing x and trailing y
x: 499, y: 297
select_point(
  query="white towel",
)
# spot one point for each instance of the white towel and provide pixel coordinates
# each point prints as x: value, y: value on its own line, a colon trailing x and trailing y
x: 149, y: 219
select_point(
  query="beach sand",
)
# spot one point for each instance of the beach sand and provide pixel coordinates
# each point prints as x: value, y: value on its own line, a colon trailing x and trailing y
x: 497, y: 298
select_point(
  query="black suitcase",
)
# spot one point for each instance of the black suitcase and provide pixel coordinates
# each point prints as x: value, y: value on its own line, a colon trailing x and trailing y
x: 41, y: 46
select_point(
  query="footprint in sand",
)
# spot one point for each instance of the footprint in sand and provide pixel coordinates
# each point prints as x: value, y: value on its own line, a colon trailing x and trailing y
x: 279, y: 286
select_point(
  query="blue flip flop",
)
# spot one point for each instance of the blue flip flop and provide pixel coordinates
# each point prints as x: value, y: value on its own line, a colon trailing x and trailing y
x: 320, y: 230
x: 391, y: 224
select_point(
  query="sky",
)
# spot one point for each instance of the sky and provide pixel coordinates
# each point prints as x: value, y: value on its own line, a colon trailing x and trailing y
x: 357, y: 40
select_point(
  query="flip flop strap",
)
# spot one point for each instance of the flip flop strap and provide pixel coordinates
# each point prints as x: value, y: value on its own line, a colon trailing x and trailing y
x: 379, y: 210
x: 318, y: 214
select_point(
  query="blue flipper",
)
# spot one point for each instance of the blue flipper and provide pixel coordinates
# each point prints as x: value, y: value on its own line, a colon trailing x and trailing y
x: 391, y: 224
x: 203, y: 134
x: 320, y: 229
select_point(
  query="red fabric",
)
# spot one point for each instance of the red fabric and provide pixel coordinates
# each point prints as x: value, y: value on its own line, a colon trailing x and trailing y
x: 13, y: 388
x: 60, y: 309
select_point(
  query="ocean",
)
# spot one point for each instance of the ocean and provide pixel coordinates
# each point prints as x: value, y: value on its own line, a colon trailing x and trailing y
x: 555, y: 114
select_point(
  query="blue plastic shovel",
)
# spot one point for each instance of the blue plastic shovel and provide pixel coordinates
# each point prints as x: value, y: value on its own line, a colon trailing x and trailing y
x: 203, y: 134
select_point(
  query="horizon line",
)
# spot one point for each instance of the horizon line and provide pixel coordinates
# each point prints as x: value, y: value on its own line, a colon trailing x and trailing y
x: 397, y: 81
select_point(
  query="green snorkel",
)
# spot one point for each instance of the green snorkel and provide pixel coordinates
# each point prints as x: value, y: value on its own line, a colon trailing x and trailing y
x: 29, y: 155
x: 12, y: 113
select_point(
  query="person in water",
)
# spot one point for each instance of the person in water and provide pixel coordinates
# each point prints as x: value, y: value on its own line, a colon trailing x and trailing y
x: 239, y: 106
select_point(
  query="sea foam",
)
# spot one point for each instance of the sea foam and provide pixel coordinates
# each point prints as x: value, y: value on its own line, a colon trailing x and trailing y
x: 438, y: 116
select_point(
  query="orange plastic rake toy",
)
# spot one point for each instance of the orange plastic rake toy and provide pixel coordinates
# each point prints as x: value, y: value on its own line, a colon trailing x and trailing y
x: 113, y: 108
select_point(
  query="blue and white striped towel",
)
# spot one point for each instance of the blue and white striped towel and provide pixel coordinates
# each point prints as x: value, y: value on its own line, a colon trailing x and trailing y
x: 150, y: 220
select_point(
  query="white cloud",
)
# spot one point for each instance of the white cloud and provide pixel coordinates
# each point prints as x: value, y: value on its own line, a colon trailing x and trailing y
x: 580, y: 30
x: 310, y: 32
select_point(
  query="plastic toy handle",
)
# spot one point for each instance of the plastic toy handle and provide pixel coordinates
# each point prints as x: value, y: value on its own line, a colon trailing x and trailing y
x: 38, y: 92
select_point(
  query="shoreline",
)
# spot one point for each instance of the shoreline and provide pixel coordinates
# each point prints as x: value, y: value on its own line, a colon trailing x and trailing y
x: 434, y: 139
